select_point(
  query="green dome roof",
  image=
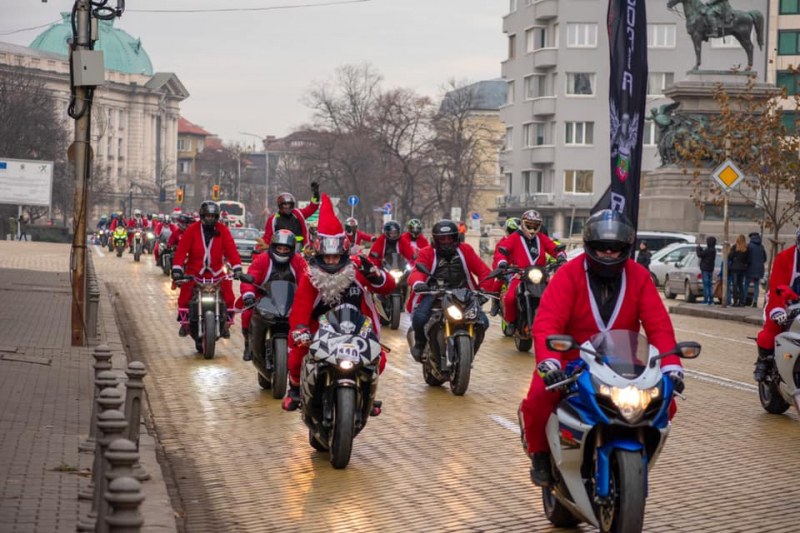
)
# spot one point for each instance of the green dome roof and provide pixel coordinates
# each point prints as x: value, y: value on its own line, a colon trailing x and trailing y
x: 121, y: 52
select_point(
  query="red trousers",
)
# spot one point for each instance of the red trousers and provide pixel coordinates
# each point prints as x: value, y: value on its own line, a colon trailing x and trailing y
x: 226, y: 288
x: 296, y: 354
x: 766, y: 337
x: 510, y: 302
x: 538, y: 406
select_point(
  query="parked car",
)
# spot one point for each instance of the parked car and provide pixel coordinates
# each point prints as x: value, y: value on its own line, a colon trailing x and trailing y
x: 664, y: 259
x: 245, y: 239
x: 685, y: 278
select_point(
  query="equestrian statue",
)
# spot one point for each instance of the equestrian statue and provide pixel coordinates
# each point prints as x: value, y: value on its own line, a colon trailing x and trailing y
x: 717, y: 19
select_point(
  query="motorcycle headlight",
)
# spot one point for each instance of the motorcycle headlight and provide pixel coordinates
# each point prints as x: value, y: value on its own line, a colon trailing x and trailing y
x: 472, y: 313
x: 207, y: 299
x: 631, y: 401
x: 151, y: 235
x: 454, y: 312
x: 396, y: 274
x: 535, y: 276
x: 346, y: 364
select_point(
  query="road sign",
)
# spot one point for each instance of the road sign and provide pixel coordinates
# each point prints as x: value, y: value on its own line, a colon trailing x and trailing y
x: 476, y: 215
x: 387, y: 208
x: 352, y: 200
x: 26, y: 182
x: 728, y: 175
x: 455, y: 214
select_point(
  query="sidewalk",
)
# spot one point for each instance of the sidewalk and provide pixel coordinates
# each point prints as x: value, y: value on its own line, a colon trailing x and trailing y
x: 749, y: 315
x: 46, y: 389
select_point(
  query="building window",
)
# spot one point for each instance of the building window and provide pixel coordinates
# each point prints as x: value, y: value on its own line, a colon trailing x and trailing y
x: 509, y: 142
x: 657, y: 82
x: 533, y: 181
x: 578, y: 181
x: 789, y: 121
x: 183, y: 167
x: 580, y: 83
x: 579, y: 133
x: 789, y: 7
x: 788, y: 42
x: 512, y: 46
x: 576, y: 225
x: 535, y: 86
x: 535, y: 38
x: 723, y: 42
x: 512, y: 6
x: 788, y: 80
x: 650, y: 133
x: 541, y: 134
x: 509, y: 183
x: 182, y: 145
x: 510, y: 93
x: 661, y: 35
x: 527, y: 134
x: 581, y: 35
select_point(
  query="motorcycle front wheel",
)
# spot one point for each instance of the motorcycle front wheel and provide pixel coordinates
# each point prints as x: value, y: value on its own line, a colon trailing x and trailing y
x: 522, y: 345
x: 280, y: 369
x: 137, y: 252
x: 558, y: 515
x: 771, y: 399
x: 429, y: 378
x: 209, y: 334
x: 397, y: 308
x: 459, y: 380
x: 504, y: 328
x: 344, y: 421
x: 625, y: 514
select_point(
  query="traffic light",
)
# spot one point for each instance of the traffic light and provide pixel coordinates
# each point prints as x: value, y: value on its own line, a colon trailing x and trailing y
x: 179, y: 195
x: 215, y: 192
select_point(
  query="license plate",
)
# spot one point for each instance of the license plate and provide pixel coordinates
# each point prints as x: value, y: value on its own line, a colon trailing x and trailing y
x: 347, y: 352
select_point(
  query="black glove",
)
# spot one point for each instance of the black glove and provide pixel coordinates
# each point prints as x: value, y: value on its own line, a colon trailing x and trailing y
x: 249, y: 300
x: 551, y: 372
x: 561, y: 259
x: 315, y: 190
x: 177, y: 273
x: 370, y: 271
x: 432, y: 282
x: 237, y: 272
x: 677, y: 381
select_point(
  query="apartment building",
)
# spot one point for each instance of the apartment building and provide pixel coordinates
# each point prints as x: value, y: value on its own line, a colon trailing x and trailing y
x: 556, y: 153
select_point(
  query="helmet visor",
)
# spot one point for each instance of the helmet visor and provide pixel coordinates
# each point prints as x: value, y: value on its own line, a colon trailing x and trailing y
x: 532, y: 225
x: 608, y: 246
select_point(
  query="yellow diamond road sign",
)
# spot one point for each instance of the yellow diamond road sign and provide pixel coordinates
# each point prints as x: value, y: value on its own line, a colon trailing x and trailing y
x: 728, y: 175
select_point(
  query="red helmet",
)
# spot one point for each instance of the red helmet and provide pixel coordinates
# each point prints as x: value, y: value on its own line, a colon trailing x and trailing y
x: 531, y: 222
x: 286, y: 198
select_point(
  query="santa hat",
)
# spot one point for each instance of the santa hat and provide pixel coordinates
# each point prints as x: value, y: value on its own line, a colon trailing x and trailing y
x: 329, y: 224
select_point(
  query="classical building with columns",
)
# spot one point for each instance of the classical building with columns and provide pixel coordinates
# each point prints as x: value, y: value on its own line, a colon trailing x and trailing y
x: 134, y: 116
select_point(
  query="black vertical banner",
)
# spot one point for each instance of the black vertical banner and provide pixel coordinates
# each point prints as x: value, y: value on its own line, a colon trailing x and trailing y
x: 627, y: 95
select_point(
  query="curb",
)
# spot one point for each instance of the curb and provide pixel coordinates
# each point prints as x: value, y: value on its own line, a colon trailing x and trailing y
x: 717, y: 314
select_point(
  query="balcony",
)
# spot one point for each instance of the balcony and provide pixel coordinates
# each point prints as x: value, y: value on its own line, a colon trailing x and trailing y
x: 543, y: 154
x: 545, y: 105
x: 545, y: 58
x: 525, y: 200
x: 545, y: 9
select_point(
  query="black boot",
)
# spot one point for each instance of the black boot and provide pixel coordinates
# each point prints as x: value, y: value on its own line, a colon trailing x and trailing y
x: 292, y: 400
x: 541, y: 471
x: 495, y: 307
x: 247, y: 355
x: 419, y: 345
x: 763, y: 362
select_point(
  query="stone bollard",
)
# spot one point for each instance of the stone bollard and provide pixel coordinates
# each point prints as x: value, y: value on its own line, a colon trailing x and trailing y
x: 112, y: 425
x: 134, y: 389
x: 109, y: 397
x: 124, y: 497
x: 92, y: 309
x: 102, y: 361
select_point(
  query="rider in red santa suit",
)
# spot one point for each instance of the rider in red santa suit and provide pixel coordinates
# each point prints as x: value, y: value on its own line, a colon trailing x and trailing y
x: 138, y: 221
x: 413, y: 236
x: 203, y: 247
x: 278, y: 263
x: 600, y: 290
x: 389, y: 242
x: 523, y: 248
x: 785, y: 275
x: 288, y: 217
x: 355, y: 235
x: 334, y: 278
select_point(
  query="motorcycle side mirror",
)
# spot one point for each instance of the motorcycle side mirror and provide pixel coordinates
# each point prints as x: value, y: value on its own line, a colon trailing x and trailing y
x: 560, y: 343
x: 684, y: 350
x: 422, y: 268
x: 560, y: 248
x: 494, y: 273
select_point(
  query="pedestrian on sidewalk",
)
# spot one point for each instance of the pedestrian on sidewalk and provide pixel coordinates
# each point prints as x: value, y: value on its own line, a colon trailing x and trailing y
x: 755, y: 270
x: 739, y: 261
x: 23, y: 228
x: 708, y: 256
x: 643, y: 257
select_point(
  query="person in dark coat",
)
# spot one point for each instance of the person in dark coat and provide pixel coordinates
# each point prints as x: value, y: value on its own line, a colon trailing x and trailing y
x: 755, y: 270
x: 643, y: 257
x: 708, y: 256
x: 739, y: 260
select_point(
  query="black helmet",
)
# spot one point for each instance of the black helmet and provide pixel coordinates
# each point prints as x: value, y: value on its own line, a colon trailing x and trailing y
x: 209, y: 208
x: 608, y: 230
x: 351, y: 226
x: 282, y: 237
x: 335, y: 245
x: 392, y: 230
x: 184, y: 219
x: 445, y: 237
x: 414, y: 227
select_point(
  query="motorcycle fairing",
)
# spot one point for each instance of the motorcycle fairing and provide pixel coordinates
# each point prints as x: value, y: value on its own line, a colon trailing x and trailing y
x: 603, y: 466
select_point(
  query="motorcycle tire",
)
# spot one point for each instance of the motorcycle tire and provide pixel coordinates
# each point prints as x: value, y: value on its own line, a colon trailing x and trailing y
x: 344, y: 422
x: 555, y: 511
x: 503, y: 328
x: 110, y: 246
x: 770, y: 397
x: 523, y: 345
x: 315, y: 443
x: 429, y: 378
x: 280, y: 367
x: 119, y: 252
x: 397, y: 309
x: 137, y: 253
x: 459, y: 380
x: 626, y: 512
x: 209, y: 337
x: 263, y: 382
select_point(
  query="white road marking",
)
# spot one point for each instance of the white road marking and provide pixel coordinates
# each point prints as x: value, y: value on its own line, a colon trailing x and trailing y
x: 99, y: 251
x: 399, y: 371
x: 724, y: 382
x: 746, y: 343
x: 506, y: 423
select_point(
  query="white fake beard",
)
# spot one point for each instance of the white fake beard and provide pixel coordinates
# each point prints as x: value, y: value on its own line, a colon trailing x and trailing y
x: 331, y: 287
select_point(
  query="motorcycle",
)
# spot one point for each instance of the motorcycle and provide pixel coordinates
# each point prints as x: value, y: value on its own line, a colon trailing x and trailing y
x: 781, y: 388
x: 207, y: 310
x: 339, y: 379
x: 138, y: 244
x: 269, y: 334
x: 390, y: 306
x: 120, y: 240
x: 608, y: 430
x: 451, y: 333
x: 102, y: 237
x: 149, y: 242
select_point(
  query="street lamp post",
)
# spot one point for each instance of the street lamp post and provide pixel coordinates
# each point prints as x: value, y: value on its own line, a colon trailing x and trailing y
x: 266, y: 166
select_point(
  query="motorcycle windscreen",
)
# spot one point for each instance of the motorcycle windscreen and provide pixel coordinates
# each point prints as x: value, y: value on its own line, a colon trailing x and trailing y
x: 394, y: 261
x: 625, y: 352
x: 281, y: 293
x: 345, y: 318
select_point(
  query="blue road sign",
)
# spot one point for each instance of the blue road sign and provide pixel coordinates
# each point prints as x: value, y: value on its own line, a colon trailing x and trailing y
x: 476, y: 215
x: 352, y: 200
x: 387, y: 208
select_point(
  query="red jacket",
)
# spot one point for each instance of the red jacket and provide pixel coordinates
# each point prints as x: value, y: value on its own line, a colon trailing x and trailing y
x: 300, y: 214
x: 784, y: 272
x: 307, y: 297
x: 132, y: 223
x: 416, y: 244
x: 361, y: 237
x: 261, y: 268
x: 175, y: 236
x: 512, y: 249
x: 205, y: 261
x: 475, y: 269
x: 567, y: 307
x: 378, y: 250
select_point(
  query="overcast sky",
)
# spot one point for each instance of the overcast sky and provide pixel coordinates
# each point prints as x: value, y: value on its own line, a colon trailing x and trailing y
x: 248, y: 71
